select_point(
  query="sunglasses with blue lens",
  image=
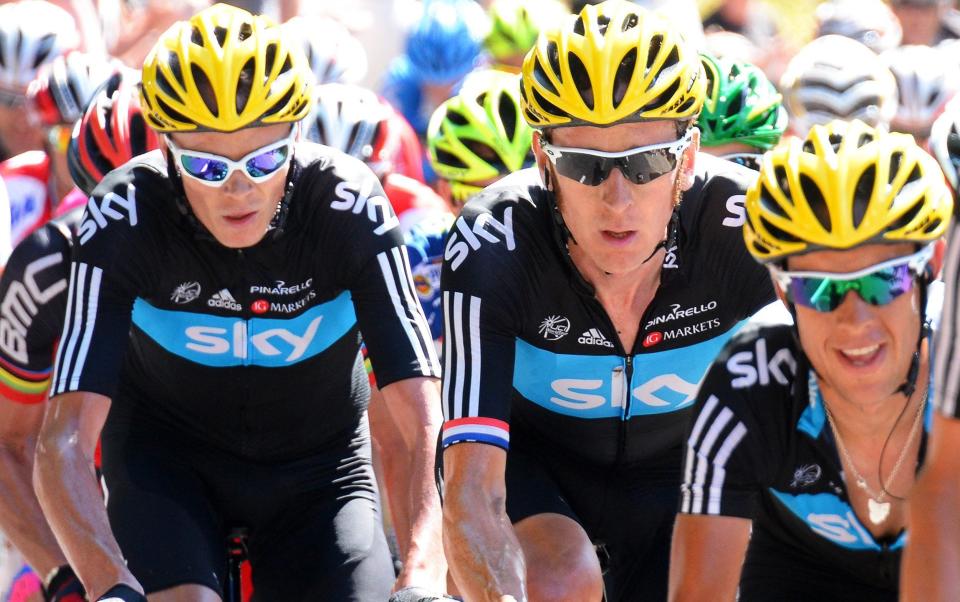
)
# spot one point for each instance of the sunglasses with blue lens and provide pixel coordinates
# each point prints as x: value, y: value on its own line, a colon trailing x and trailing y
x: 878, y: 285
x: 213, y: 170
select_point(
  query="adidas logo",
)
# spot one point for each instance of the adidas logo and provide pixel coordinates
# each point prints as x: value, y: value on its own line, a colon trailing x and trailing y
x: 594, y: 337
x: 223, y: 299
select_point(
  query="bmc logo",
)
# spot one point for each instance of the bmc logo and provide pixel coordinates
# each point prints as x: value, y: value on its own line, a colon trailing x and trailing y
x: 378, y: 207
x: 755, y: 367
x: 738, y: 214
x: 588, y: 394
x: 213, y: 340
x: 21, y: 304
x: 97, y: 215
x: 485, y: 226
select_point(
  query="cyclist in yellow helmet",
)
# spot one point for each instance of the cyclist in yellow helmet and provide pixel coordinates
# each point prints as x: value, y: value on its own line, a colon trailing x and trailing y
x: 216, y: 300
x: 584, y: 299
x: 811, y: 423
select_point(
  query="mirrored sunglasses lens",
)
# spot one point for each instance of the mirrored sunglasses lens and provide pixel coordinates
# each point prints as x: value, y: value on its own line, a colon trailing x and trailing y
x: 266, y: 163
x: 646, y: 166
x: 886, y: 285
x: 877, y: 289
x: 209, y: 170
x: 584, y: 168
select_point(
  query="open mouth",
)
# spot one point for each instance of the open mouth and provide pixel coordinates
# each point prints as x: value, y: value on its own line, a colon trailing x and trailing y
x: 240, y: 219
x: 617, y: 236
x: 861, y: 357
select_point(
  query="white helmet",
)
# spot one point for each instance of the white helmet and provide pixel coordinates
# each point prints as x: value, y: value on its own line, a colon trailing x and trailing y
x: 32, y: 33
x: 870, y: 22
x: 944, y: 143
x: 333, y: 53
x: 834, y: 77
x: 347, y: 118
x: 926, y: 82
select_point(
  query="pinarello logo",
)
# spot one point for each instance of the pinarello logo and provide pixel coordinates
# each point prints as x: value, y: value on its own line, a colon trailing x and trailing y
x: 260, y: 306
x: 652, y: 338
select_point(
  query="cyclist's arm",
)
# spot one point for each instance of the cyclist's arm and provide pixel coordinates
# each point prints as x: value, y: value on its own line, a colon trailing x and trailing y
x: 414, y: 404
x: 932, y: 554
x: 484, y: 555
x: 706, y: 557
x: 67, y: 488
x: 21, y: 518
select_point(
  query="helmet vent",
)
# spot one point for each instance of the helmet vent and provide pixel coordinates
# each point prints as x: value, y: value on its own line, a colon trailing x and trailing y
x: 206, y: 90
x: 578, y: 27
x: 816, y: 202
x: 809, y: 148
x: 581, y: 79
x: 44, y: 48
x: 195, y: 36
x: 244, y: 84
x: 624, y: 75
x: 736, y: 103
x: 711, y: 82
x: 269, y: 58
x: 173, y: 113
x: 864, y: 139
x: 541, y: 76
x: 164, y: 83
x: 863, y: 193
x: 448, y: 158
x: 553, y: 55
x: 508, y: 115
x: 895, y: 159
x: 603, y: 21
x: 220, y: 33
x: 769, y: 205
x: 629, y: 22
x: 835, y: 140
x: 655, y: 43
x: 245, y: 32
x: 485, y: 152
x: 907, y: 217
x: 777, y: 233
x: 663, y: 97
x: 278, y: 106
x: 546, y: 104
x: 456, y: 118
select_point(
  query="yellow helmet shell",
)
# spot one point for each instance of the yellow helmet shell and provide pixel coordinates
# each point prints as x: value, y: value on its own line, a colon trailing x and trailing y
x: 846, y: 184
x: 195, y: 77
x: 614, y: 62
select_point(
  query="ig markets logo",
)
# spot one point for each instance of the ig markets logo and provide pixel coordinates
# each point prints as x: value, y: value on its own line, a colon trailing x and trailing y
x: 652, y: 338
x: 260, y: 306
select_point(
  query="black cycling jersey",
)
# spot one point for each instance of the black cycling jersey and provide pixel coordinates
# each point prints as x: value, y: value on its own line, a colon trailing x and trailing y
x: 530, y: 352
x: 760, y: 448
x: 33, y: 299
x: 254, y: 349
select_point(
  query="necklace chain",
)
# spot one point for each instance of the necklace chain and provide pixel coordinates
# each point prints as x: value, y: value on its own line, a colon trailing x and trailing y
x: 862, y: 482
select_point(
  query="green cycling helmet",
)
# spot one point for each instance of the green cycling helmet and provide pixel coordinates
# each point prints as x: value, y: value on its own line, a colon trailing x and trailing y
x: 741, y: 106
x: 480, y: 133
x: 514, y: 25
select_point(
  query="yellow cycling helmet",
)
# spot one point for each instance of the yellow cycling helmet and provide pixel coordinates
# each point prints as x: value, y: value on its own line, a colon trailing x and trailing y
x: 846, y: 184
x: 614, y: 62
x: 224, y: 70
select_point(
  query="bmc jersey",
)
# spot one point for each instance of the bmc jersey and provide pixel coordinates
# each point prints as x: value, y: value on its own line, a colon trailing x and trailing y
x: 529, y: 349
x: 253, y: 350
x: 760, y: 448
x: 33, y: 291
x: 27, y: 177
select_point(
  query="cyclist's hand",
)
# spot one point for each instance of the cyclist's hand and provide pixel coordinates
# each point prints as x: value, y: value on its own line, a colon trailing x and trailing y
x: 64, y: 586
x: 419, y: 594
x: 122, y: 593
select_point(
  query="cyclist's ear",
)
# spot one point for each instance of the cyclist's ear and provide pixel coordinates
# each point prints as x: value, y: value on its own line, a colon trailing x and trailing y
x: 932, y: 271
x: 541, y: 159
x: 688, y: 164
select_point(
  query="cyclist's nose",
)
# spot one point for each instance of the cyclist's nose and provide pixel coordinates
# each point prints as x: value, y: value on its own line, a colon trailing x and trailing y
x: 238, y: 184
x: 616, y: 189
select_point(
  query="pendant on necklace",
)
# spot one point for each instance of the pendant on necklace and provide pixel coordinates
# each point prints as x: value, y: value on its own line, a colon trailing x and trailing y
x: 879, y: 511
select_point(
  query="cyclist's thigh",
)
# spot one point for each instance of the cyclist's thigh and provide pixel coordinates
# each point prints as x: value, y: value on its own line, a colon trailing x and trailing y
x: 160, y: 514
x: 319, y: 534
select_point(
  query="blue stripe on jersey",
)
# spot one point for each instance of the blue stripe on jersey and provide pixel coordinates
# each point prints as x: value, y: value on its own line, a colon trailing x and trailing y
x: 833, y: 519
x: 592, y: 386
x: 223, y: 341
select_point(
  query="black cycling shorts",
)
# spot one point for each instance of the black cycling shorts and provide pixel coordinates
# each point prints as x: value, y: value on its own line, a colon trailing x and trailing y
x: 627, y: 512
x: 314, y: 522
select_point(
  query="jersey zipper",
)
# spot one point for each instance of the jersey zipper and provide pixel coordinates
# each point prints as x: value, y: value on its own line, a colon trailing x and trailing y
x: 627, y: 398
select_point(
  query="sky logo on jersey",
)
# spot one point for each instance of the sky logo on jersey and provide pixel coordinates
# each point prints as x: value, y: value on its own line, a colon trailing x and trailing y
x: 594, y: 337
x: 224, y: 300
x: 831, y: 518
x: 738, y: 214
x: 485, y: 226
x: 111, y: 207
x: 594, y: 386
x: 221, y: 341
x: 378, y: 208
x: 753, y: 367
